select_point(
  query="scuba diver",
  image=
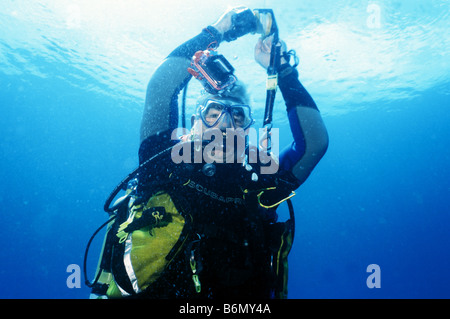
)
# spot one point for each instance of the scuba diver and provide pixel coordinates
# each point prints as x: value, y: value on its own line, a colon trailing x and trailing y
x: 206, y: 227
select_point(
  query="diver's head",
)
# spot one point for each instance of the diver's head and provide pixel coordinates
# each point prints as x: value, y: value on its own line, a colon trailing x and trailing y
x: 228, y: 110
x: 224, y: 113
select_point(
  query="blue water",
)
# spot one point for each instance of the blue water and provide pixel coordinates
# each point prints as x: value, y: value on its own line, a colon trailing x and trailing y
x: 73, y: 76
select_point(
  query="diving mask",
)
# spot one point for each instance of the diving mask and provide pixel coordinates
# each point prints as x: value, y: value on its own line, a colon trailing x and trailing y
x: 213, y: 111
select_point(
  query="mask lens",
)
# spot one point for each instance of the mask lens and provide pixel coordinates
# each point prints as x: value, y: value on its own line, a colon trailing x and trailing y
x: 241, y: 116
x: 211, y: 112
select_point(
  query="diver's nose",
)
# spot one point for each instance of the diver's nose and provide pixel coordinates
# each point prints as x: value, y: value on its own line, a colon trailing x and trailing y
x: 225, y: 122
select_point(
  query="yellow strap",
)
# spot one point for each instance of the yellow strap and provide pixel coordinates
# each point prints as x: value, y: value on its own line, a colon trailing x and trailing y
x: 276, y: 204
x: 197, y: 284
x: 121, y: 233
x: 195, y: 279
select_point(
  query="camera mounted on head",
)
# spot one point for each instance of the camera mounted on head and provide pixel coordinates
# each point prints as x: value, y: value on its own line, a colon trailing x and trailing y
x: 213, y: 71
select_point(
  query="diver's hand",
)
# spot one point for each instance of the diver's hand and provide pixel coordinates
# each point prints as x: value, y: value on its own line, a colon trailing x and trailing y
x: 235, y: 23
x: 224, y: 23
x: 262, y: 51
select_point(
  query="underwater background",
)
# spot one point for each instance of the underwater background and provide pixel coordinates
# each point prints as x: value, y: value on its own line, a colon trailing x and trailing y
x: 73, y: 76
